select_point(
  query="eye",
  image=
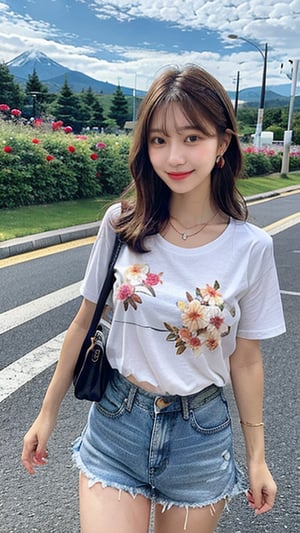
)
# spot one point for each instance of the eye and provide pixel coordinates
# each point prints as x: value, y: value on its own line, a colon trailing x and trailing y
x: 157, y: 140
x: 193, y: 138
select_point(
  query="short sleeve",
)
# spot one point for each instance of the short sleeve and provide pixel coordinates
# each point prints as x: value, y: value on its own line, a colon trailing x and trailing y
x: 260, y: 305
x: 100, y: 256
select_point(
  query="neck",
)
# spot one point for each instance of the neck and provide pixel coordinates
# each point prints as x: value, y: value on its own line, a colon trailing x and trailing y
x: 192, y: 212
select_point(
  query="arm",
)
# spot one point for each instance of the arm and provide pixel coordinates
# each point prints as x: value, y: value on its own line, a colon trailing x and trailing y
x: 35, y: 441
x: 247, y: 377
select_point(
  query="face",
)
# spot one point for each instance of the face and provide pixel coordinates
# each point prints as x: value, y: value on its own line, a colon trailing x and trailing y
x: 181, y: 155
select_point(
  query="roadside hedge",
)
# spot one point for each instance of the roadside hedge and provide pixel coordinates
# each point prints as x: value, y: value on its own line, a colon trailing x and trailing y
x: 39, y: 166
x: 55, y: 166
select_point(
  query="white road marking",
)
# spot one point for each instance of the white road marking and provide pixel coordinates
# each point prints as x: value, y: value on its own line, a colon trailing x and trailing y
x: 30, y: 365
x: 23, y: 313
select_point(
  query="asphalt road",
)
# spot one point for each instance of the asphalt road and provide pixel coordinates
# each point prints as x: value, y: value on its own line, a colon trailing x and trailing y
x: 48, y: 502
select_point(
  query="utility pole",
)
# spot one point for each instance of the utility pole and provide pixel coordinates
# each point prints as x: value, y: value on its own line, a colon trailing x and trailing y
x: 287, y: 141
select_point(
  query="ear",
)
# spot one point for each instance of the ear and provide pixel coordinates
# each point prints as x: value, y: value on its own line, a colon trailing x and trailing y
x: 225, y: 141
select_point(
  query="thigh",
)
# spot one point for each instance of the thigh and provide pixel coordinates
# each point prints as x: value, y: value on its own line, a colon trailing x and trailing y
x: 108, y: 509
x: 191, y: 520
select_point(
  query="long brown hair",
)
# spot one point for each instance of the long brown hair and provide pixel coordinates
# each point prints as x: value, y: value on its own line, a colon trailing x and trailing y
x: 204, y: 101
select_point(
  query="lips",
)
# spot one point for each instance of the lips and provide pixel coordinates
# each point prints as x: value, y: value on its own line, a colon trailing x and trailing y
x: 179, y: 175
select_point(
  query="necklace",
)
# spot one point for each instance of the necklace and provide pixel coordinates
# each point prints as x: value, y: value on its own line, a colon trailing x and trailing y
x: 185, y: 235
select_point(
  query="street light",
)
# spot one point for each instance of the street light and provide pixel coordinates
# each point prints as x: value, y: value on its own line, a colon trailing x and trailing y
x: 287, y: 141
x: 260, y: 114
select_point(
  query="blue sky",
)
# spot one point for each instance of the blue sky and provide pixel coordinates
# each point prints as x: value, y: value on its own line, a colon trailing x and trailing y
x: 130, y: 42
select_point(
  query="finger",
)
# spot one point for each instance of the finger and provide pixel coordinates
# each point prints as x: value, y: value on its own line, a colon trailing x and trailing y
x: 27, y: 462
x: 264, y: 509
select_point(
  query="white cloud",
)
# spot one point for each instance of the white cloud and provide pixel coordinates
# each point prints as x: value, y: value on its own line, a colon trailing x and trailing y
x: 272, y: 21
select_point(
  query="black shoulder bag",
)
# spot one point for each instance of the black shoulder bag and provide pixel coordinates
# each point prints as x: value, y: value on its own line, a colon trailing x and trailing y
x: 92, y: 369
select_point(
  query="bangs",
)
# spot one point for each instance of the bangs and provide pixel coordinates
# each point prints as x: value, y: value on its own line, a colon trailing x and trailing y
x: 195, y: 115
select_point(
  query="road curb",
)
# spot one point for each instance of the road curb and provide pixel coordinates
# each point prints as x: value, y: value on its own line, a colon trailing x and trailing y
x: 50, y: 238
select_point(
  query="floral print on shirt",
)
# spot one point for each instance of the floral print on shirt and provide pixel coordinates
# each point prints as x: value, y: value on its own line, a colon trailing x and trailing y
x: 137, y: 279
x: 203, y: 321
x: 203, y: 316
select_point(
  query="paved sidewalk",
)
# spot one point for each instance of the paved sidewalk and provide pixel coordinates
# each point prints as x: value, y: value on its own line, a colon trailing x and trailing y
x: 49, y: 238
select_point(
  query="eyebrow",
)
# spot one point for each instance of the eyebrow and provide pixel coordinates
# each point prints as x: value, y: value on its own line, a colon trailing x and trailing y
x: 183, y: 129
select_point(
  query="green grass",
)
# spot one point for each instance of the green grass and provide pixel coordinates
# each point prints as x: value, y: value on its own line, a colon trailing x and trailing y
x: 35, y: 219
x: 251, y: 186
x: 38, y: 218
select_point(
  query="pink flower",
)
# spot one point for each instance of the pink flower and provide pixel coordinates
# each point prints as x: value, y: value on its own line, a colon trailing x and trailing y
x: 152, y: 279
x: 50, y: 157
x: 16, y: 112
x: 100, y: 146
x: 71, y: 149
x: 94, y: 156
x: 68, y: 129
x: 7, y: 149
x: 82, y: 137
x: 124, y: 292
x: 4, y: 108
x: 35, y: 141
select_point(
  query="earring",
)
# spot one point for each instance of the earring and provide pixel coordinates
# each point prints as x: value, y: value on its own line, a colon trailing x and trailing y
x: 220, y: 161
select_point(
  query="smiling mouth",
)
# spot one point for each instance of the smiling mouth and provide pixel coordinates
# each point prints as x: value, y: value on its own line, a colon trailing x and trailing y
x: 179, y: 175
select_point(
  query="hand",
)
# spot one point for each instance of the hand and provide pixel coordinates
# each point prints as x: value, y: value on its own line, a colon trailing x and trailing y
x: 35, y: 443
x: 262, y: 492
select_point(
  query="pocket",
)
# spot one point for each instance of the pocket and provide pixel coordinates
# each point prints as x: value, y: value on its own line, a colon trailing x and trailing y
x: 113, y: 403
x: 211, y: 417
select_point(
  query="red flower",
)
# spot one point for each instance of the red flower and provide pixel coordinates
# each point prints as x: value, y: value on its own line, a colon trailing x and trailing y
x: 8, y: 149
x: 4, y: 108
x: 38, y: 122
x: 71, y: 149
x: 16, y: 112
x: 100, y: 146
x: 94, y: 157
x: 35, y: 141
x: 57, y: 125
x: 68, y: 129
x: 50, y: 157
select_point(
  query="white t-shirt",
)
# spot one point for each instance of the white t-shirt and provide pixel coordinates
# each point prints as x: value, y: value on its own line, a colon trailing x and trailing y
x: 178, y: 311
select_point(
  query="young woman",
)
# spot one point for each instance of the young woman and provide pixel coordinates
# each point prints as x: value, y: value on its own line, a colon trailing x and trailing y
x: 195, y: 291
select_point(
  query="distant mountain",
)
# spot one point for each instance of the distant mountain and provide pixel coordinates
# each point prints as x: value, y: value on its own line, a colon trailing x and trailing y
x: 53, y: 75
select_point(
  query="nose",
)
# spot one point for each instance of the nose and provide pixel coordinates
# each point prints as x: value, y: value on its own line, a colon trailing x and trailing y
x: 176, y: 154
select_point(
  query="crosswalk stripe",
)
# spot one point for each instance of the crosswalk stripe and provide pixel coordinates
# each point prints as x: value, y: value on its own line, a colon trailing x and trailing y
x: 30, y: 365
x: 23, y: 313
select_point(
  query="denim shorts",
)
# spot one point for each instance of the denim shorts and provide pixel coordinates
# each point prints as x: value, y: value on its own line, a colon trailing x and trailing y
x: 173, y: 450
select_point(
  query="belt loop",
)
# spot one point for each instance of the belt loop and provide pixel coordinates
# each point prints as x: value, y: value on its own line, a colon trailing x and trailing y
x: 130, y: 398
x: 185, y: 407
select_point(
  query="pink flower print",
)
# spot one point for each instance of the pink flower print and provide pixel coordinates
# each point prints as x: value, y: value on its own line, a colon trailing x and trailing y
x: 217, y: 321
x: 153, y: 279
x: 211, y: 295
x: 195, y: 344
x: 124, y: 292
x: 194, y: 316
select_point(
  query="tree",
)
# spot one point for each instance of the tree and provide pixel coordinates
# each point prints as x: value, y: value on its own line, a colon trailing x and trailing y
x: 67, y: 108
x: 37, y: 94
x: 92, y: 109
x: 10, y: 92
x: 119, y: 107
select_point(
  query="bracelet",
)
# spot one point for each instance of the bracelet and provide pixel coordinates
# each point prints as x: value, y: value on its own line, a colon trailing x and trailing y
x: 249, y: 424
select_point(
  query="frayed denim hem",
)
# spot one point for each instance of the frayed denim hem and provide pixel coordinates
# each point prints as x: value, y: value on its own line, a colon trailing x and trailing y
x: 240, y: 487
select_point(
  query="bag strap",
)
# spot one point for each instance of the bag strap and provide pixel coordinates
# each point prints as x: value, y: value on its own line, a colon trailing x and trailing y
x: 107, y: 285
